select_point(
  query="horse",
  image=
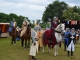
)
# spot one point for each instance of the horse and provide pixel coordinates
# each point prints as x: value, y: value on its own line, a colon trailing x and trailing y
x: 26, y: 37
x: 60, y: 28
x: 13, y: 35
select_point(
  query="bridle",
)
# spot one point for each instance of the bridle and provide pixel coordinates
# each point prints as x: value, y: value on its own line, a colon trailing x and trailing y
x: 60, y: 29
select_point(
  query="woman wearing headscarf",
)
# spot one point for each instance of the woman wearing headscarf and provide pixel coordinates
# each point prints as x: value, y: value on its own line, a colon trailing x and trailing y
x: 71, y: 42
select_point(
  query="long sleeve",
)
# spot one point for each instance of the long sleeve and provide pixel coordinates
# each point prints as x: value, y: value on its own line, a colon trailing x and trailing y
x: 33, y: 35
x: 66, y: 34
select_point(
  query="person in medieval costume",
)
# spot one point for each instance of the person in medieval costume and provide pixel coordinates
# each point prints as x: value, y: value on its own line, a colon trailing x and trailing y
x: 34, y: 45
x: 24, y: 27
x: 13, y: 24
x: 37, y: 27
x: 40, y: 42
x: 71, y: 42
x: 51, y: 36
x: 66, y: 39
x: 18, y: 33
x: 48, y: 26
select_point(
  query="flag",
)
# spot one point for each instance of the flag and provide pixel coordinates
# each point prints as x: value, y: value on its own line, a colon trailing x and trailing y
x: 67, y: 22
x: 76, y: 22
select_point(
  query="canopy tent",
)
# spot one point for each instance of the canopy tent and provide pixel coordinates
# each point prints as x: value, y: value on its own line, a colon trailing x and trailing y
x: 4, y: 27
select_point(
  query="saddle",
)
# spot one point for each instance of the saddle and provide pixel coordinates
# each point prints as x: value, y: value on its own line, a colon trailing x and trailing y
x: 50, y: 40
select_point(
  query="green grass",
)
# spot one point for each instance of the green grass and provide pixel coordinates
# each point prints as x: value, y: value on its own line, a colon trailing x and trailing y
x: 11, y: 52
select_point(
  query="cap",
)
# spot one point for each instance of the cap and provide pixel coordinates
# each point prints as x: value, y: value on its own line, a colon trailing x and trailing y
x: 55, y: 18
x: 72, y: 29
x: 49, y: 19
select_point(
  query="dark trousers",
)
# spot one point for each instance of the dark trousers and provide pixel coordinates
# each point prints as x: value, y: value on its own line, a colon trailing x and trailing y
x: 71, y: 52
x: 65, y: 45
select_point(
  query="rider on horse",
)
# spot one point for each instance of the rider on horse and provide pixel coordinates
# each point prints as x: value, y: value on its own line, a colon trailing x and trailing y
x: 13, y: 31
x: 52, y: 31
x: 48, y: 24
x: 24, y: 27
x: 13, y: 24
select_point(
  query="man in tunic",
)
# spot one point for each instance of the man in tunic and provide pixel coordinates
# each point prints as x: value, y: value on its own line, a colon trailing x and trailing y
x: 40, y: 42
x: 48, y: 26
x: 24, y: 27
x: 13, y: 24
x: 34, y: 45
x: 66, y: 39
x: 37, y: 28
x: 52, y: 32
x: 71, y: 42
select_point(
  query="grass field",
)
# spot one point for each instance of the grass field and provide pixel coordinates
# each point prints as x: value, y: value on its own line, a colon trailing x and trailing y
x: 16, y: 52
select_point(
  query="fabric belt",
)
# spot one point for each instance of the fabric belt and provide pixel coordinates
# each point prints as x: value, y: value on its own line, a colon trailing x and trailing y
x: 39, y: 37
x: 36, y: 39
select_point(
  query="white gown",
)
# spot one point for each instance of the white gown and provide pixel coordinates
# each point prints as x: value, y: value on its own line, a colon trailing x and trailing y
x: 71, y: 45
x: 34, y: 48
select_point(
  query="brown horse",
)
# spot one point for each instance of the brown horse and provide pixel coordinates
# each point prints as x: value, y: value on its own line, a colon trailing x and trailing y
x: 13, y: 36
x: 26, y: 37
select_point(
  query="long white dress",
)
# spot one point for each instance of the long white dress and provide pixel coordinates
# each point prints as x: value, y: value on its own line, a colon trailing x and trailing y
x: 71, y: 43
x: 33, y: 48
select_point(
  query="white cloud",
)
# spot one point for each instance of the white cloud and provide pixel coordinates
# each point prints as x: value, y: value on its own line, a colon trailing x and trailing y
x: 29, y: 8
x: 72, y: 2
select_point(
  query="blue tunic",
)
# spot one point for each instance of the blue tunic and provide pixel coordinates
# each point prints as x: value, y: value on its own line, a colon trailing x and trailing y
x: 10, y: 29
x: 66, y: 37
x: 12, y: 23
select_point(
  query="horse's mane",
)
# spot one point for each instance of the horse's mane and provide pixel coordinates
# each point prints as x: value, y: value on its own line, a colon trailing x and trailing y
x: 28, y: 29
x: 58, y: 27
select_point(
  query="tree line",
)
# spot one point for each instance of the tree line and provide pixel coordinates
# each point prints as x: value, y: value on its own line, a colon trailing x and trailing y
x: 7, y: 18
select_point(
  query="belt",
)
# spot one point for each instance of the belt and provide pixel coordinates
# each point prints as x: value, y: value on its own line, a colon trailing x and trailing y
x: 36, y: 39
x: 39, y: 37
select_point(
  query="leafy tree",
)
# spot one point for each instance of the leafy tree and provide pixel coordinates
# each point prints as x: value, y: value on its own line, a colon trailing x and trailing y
x: 54, y: 9
x: 72, y: 13
x: 8, y: 18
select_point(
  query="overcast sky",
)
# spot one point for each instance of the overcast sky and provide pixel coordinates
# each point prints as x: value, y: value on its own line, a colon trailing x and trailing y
x: 33, y: 9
